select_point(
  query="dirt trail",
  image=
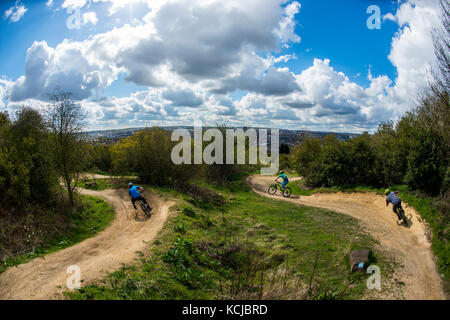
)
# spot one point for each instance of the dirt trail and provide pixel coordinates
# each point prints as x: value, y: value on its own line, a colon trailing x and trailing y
x: 408, y: 247
x: 45, y: 278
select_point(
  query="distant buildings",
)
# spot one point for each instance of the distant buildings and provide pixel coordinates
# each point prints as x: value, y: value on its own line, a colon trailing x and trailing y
x: 288, y: 137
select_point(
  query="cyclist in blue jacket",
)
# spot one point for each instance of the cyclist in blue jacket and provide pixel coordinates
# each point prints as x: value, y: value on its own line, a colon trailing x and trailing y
x: 135, y: 194
x: 285, y: 179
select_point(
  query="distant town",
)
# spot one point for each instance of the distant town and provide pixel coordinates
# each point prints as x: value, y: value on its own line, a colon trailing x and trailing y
x: 287, y: 137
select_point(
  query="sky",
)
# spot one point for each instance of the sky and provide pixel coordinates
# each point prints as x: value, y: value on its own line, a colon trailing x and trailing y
x: 306, y: 64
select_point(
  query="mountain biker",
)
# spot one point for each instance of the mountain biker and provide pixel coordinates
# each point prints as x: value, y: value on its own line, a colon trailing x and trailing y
x: 391, y: 197
x: 135, y: 194
x: 285, y: 179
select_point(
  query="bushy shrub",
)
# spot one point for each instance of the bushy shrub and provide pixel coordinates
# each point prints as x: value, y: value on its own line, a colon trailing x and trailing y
x: 189, y: 212
x: 26, y: 168
x: 148, y: 154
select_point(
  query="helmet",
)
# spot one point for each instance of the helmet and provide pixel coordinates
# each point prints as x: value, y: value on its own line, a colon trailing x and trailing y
x: 387, y: 191
x: 130, y: 184
x: 282, y: 171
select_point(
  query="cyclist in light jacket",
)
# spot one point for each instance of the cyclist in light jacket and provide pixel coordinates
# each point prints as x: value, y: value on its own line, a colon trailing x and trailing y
x: 391, y: 197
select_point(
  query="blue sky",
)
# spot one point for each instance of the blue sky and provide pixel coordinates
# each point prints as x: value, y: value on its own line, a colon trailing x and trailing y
x: 339, y: 33
x: 133, y: 64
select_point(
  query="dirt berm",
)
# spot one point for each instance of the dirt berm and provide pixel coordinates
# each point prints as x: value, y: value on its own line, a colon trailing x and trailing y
x: 45, y: 278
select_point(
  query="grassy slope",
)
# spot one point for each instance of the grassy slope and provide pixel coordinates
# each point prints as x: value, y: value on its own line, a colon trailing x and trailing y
x: 210, y: 253
x: 92, y: 216
x: 423, y: 205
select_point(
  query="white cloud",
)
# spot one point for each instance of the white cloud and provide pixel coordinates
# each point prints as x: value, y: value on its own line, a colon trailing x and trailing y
x: 182, y: 97
x: 73, y: 4
x: 89, y: 17
x: 16, y: 12
x: 67, y: 67
x: 115, y: 5
x: 412, y: 51
x: 286, y: 29
x: 192, y: 54
x: 204, y: 42
x: 389, y: 16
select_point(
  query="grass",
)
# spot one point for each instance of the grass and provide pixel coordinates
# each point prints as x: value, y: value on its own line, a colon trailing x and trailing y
x: 422, y: 204
x: 253, y: 247
x: 92, y: 216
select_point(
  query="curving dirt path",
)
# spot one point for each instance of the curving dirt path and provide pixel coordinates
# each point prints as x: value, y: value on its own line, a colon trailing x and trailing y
x: 45, y: 278
x: 415, y: 275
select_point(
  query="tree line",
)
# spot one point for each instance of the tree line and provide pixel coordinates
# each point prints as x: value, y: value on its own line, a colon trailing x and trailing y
x: 39, y: 151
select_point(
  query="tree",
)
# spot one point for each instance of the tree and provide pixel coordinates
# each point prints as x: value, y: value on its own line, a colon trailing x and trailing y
x: 30, y: 137
x: 26, y: 169
x: 441, y: 41
x: 65, y: 120
x: 147, y: 153
x: 284, y: 148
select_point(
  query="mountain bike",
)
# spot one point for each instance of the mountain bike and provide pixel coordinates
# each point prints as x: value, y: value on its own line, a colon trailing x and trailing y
x: 146, y: 208
x: 286, y: 191
x: 401, y: 215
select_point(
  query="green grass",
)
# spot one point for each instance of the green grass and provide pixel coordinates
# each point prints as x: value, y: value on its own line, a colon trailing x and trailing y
x: 213, y: 252
x: 92, y: 216
x: 422, y: 204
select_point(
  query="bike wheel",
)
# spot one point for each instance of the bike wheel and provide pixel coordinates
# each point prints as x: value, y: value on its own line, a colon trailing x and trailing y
x: 272, y: 190
x: 287, y: 192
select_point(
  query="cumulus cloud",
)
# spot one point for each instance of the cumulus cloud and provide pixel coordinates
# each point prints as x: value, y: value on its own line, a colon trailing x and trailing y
x: 286, y: 29
x: 412, y: 51
x: 139, y: 109
x: 182, y: 98
x: 16, y: 12
x: 389, y: 16
x: 257, y: 77
x: 206, y: 40
x: 194, y: 54
x: 67, y: 67
x: 332, y: 91
x: 89, y: 17
x: 115, y: 5
x: 72, y: 4
x: 178, y: 41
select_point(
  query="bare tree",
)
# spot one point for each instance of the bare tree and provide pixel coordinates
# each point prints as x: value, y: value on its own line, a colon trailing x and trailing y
x: 65, y: 120
x: 441, y: 39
